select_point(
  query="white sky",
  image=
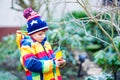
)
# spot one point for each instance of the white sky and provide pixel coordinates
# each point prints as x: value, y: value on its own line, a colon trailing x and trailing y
x: 12, y: 18
x: 9, y: 17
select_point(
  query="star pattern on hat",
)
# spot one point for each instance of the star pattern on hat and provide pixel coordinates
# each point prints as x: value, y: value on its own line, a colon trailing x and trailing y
x: 42, y: 19
x: 33, y: 22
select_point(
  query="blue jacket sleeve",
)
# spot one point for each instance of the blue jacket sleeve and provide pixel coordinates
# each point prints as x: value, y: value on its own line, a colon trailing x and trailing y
x: 40, y: 66
x: 33, y: 65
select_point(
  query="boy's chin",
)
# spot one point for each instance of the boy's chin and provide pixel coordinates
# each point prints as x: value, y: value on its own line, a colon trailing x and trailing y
x: 39, y: 41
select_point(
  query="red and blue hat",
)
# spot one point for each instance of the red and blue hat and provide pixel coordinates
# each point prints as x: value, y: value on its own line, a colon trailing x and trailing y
x: 35, y: 23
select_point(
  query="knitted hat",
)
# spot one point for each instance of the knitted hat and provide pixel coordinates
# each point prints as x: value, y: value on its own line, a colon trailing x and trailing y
x: 35, y: 23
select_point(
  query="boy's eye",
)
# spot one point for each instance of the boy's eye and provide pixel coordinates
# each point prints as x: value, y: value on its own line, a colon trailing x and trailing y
x: 40, y: 34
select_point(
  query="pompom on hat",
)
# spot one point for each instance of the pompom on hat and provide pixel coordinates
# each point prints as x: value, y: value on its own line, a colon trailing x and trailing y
x: 35, y: 23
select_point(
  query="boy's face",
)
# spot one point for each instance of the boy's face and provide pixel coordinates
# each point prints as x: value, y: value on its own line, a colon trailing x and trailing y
x: 39, y: 36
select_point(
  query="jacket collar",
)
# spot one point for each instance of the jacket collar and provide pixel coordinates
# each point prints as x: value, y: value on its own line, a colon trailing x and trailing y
x: 43, y: 42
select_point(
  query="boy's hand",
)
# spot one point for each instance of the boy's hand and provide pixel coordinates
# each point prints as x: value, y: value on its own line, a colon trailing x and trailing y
x: 60, y: 62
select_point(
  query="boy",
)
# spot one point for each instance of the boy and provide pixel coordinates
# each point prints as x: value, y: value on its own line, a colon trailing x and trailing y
x: 37, y: 55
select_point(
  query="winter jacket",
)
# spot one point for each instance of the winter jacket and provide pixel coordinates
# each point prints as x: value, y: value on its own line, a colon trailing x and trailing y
x: 37, y: 58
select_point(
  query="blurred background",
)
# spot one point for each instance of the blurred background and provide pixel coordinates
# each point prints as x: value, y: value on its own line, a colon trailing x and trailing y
x: 87, y: 32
